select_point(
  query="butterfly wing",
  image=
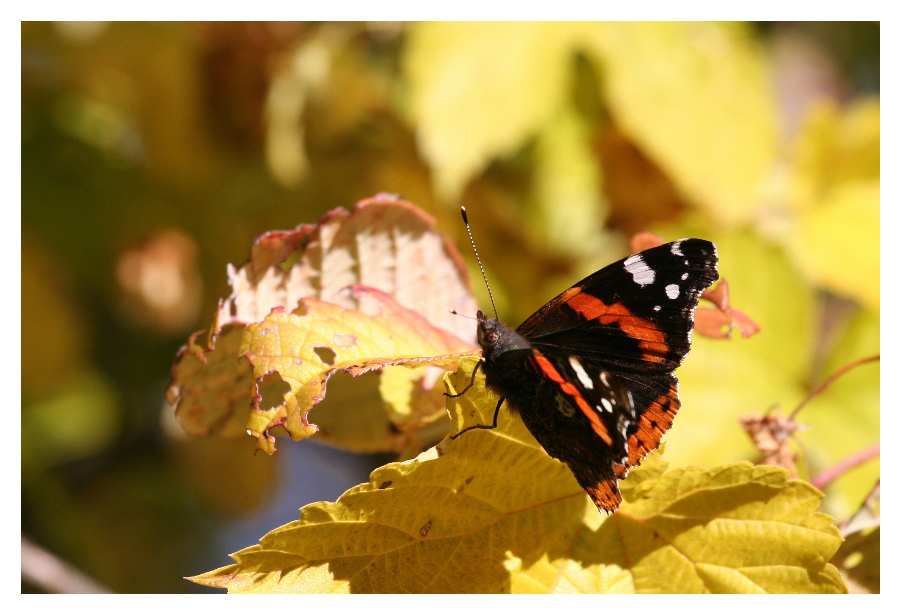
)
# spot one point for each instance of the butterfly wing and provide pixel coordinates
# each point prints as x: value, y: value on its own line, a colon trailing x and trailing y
x: 579, y: 414
x: 631, y: 320
x: 635, y: 314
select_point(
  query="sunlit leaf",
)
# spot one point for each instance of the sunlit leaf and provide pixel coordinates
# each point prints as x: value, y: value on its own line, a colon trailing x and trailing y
x: 837, y: 242
x: 569, y: 210
x: 479, y: 90
x: 492, y: 512
x: 696, y: 98
x: 835, y: 192
x: 384, y: 243
x: 307, y: 346
x: 835, y: 147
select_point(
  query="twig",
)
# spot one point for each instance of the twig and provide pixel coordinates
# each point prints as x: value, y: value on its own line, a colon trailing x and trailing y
x: 832, y: 473
x: 53, y: 575
x: 831, y: 379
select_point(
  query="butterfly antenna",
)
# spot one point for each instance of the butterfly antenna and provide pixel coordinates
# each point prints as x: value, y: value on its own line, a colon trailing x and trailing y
x: 478, y: 258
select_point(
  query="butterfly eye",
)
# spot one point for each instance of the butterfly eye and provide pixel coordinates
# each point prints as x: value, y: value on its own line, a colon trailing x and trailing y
x: 487, y: 337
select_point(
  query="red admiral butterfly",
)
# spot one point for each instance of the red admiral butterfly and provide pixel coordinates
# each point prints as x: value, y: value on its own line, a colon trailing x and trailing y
x: 590, y: 373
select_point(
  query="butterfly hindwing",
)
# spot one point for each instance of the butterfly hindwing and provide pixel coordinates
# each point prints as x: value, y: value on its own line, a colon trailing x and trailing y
x: 578, y: 412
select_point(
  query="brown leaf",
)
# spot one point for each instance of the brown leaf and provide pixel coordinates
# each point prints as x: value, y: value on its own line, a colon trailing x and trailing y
x: 210, y: 388
x: 719, y: 322
x: 771, y: 435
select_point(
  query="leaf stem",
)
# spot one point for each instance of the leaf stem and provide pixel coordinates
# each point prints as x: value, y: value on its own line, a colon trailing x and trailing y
x: 831, y: 379
x: 829, y: 475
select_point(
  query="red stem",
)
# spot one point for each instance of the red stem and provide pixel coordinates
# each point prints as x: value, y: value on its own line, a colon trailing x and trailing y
x: 832, y: 473
x: 831, y: 379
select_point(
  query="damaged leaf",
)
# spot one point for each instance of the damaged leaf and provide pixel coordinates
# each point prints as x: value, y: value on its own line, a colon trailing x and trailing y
x: 309, y: 345
x: 385, y: 244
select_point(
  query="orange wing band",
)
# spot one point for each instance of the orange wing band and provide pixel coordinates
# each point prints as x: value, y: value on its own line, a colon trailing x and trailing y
x: 650, y: 339
x: 569, y: 388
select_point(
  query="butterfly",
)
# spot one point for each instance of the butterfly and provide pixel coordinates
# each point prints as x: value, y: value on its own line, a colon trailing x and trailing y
x: 591, y: 372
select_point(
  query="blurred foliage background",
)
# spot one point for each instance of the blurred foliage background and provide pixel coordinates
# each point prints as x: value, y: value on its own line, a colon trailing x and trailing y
x: 153, y: 153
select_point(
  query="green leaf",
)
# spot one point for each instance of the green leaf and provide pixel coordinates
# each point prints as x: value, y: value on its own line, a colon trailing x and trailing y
x: 492, y: 512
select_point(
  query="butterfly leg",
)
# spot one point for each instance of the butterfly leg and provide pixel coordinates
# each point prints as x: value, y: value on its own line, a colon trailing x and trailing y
x: 482, y: 426
x: 471, y: 382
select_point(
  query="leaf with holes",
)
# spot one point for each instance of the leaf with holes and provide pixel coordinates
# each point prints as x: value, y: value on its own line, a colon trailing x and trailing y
x: 492, y: 512
x: 319, y: 338
x: 383, y: 243
x: 210, y: 387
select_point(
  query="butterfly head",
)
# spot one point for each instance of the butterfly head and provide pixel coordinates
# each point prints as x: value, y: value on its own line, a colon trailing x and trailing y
x: 494, y: 337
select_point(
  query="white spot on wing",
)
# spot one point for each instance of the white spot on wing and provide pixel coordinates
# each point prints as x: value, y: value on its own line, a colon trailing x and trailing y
x: 603, y: 379
x: 656, y: 308
x: 676, y: 248
x: 606, y: 404
x: 683, y: 277
x: 639, y: 270
x: 583, y: 377
x: 672, y: 291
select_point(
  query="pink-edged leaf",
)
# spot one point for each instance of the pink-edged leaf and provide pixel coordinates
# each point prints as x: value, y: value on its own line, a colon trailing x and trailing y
x: 384, y: 243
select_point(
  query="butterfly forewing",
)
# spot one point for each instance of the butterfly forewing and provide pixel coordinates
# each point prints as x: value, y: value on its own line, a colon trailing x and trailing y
x: 635, y: 314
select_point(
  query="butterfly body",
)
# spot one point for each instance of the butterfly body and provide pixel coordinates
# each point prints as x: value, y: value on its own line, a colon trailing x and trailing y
x: 590, y: 373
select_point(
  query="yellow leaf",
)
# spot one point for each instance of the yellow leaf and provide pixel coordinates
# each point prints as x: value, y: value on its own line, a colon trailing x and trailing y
x: 837, y: 242
x: 492, y: 512
x: 479, y: 90
x: 834, y: 190
x: 306, y: 347
x: 835, y: 147
x: 696, y: 98
x: 568, y: 207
